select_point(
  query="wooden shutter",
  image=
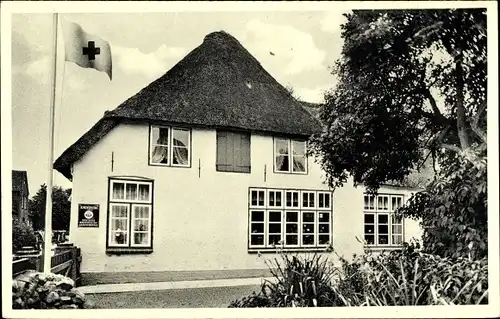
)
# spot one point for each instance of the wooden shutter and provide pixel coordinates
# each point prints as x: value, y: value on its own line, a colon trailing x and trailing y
x: 233, y: 152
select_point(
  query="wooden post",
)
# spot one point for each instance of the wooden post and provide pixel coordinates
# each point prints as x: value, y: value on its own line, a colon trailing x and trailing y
x: 73, y: 264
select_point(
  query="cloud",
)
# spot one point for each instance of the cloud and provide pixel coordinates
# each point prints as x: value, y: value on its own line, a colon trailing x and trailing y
x: 132, y: 61
x: 315, y: 95
x: 293, y: 51
x: 332, y: 21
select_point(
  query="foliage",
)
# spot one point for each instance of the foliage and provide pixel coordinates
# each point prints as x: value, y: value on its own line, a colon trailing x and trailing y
x: 61, y: 207
x: 411, y: 82
x: 399, y: 278
x: 35, y: 290
x: 410, y: 277
x: 453, y: 209
x: 22, y: 235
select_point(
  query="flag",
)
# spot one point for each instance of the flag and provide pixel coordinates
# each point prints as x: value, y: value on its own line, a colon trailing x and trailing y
x: 85, y: 49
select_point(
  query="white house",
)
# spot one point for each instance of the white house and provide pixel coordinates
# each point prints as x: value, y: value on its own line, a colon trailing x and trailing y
x: 205, y: 167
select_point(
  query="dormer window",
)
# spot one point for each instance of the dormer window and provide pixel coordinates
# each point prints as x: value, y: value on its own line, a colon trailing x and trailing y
x: 170, y: 146
x: 290, y: 156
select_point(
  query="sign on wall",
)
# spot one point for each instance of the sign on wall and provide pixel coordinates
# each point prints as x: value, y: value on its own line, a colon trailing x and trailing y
x: 88, y: 215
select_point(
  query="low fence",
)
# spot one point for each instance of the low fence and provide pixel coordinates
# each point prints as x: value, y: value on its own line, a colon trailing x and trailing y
x: 66, y: 261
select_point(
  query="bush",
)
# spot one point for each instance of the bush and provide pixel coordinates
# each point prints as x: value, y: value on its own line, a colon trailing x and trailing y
x: 35, y: 290
x: 298, y: 281
x: 398, y: 278
x: 22, y: 235
x: 410, y: 277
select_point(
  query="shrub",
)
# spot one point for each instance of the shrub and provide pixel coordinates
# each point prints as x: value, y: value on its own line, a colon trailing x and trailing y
x: 35, y: 290
x: 298, y: 281
x: 410, y: 277
x: 398, y: 278
x: 22, y: 235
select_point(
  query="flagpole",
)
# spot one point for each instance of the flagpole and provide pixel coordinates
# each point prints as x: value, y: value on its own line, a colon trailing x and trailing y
x: 47, y: 255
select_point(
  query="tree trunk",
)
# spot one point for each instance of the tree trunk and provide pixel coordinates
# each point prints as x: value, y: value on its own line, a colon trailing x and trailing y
x: 459, y: 87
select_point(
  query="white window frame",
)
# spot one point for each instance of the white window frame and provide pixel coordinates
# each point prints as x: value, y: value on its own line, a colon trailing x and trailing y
x: 324, y: 194
x: 130, y: 204
x: 170, y: 159
x: 378, y: 210
x: 290, y: 156
x: 284, y: 210
x: 250, y: 222
x: 271, y: 193
x: 307, y: 206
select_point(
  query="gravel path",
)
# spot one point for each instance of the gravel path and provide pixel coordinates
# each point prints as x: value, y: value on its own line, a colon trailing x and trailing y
x: 216, y: 297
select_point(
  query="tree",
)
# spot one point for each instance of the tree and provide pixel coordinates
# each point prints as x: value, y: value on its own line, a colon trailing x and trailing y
x: 412, y: 85
x: 61, y: 207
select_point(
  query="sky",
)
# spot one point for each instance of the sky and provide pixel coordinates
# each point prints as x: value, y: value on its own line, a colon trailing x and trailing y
x: 144, y: 46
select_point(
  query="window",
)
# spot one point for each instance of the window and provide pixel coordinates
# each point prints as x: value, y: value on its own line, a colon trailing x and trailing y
x: 233, y: 152
x: 290, y: 156
x: 130, y: 214
x: 289, y: 218
x: 381, y: 226
x: 170, y: 146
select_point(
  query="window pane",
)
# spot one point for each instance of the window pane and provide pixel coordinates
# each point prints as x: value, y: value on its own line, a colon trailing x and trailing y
x: 295, y: 199
x: 397, y: 229
x: 257, y: 240
x: 308, y: 217
x: 141, y: 225
x: 299, y: 148
x: 141, y: 238
x: 321, y: 201
x: 141, y: 212
x: 159, y: 155
x: 159, y: 136
x: 261, y: 198
x: 308, y: 228
x: 397, y: 239
x: 288, y: 199
x: 275, y: 228
x: 311, y: 199
x: 369, y: 229
x: 292, y: 216
x: 119, y: 224
x: 281, y: 147
x: 181, y: 156
x: 254, y: 198
x: 118, y: 191
x: 397, y: 219
x: 383, y: 240
x: 131, y: 191
x: 397, y: 202
x: 383, y: 203
x: 327, y: 200
x: 257, y: 228
x: 119, y: 211
x: 257, y: 216
x: 119, y: 237
x: 324, y: 217
x: 305, y: 201
x: 370, y: 239
x: 383, y: 219
x: 292, y: 240
x: 181, y: 137
x: 292, y: 228
x: 274, y: 216
x: 308, y: 239
x: 383, y: 229
x: 271, y: 199
x: 323, y: 239
x: 143, y: 192
x: 278, y: 198
x: 274, y: 239
x: 324, y: 228
x: 369, y: 218
x: 299, y: 164
x: 282, y: 163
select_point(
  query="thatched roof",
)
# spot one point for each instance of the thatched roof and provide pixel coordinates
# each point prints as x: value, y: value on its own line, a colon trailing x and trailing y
x: 218, y: 84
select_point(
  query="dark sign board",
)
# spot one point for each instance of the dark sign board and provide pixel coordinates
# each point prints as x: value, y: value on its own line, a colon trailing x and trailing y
x: 88, y: 215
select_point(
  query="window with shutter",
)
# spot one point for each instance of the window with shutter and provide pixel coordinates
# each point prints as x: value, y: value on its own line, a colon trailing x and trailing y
x: 233, y: 152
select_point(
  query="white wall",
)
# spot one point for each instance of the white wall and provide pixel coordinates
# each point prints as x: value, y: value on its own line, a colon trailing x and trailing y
x: 200, y: 222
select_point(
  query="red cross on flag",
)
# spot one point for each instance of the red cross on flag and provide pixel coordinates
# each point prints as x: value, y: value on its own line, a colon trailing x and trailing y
x: 85, y: 49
